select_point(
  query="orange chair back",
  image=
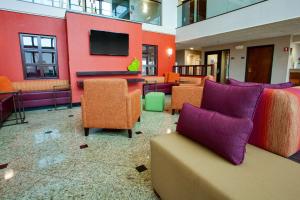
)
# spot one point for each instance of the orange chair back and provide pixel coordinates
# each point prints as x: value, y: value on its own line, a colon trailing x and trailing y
x: 209, y: 77
x: 172, y: 77
x: 5, y: 84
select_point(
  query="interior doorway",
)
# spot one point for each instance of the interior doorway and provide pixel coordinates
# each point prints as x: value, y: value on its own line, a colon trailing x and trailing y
x: 220, y: 60
x: 259, y: 64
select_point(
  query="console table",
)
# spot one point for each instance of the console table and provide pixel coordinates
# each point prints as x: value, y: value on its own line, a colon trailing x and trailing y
x: 106, y: 73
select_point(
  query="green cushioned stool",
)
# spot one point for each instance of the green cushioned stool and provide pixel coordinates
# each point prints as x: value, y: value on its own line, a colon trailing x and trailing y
x: 155, y: 101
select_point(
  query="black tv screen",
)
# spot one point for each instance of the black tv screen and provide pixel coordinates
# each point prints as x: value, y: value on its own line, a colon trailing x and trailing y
x: 108, y: 43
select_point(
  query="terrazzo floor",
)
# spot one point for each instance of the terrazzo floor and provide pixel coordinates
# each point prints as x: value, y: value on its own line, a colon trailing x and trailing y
x: 45, y: 160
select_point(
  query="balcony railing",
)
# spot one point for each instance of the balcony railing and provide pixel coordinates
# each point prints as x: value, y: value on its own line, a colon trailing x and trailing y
x: 192, y: 11
x: 145, y: 11
x: 194, y: 70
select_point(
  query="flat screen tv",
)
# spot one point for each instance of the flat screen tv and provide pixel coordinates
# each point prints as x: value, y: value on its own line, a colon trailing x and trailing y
x: 108, y: 43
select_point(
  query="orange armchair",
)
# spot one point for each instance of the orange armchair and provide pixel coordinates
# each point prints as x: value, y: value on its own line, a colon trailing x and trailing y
x: 172, y: 77
x: 187, y: 94
x: 106, y: 103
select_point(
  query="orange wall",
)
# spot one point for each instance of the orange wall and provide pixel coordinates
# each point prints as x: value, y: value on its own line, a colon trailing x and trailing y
x: 72, y: 36
x: 12, y: 24
x: 163, y: 41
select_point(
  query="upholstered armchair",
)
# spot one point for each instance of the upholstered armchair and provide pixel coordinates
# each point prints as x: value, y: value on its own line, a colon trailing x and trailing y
x: 106, y: 103
x: 187, y: 94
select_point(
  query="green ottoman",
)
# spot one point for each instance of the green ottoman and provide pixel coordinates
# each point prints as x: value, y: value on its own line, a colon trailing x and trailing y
x: 155, y: 101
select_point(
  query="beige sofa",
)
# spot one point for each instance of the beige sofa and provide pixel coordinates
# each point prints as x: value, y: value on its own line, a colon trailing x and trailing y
x: 185, y: 170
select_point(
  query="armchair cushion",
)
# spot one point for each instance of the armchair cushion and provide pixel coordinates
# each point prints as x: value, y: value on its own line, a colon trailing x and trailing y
x: 226, y: 136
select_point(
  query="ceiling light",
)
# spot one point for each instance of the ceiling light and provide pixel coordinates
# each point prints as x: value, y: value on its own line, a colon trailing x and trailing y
x: 145, y: 8
x: 192, y: 48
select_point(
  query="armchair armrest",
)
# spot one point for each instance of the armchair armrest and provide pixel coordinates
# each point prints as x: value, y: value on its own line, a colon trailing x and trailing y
x: 186, y: 94
x: 83, y: 111
x: 133, y: 101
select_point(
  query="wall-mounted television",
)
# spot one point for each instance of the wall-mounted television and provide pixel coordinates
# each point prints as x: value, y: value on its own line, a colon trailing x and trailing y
x: 108, y: 43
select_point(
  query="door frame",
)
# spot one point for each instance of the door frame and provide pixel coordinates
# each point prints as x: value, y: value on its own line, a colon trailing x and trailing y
x: 218, y: 67
x: 156, y: 58
x: 247, y: 60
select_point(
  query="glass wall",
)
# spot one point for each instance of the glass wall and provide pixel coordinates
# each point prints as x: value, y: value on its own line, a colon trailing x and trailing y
x: 146, y: 11
x: 191, y: 11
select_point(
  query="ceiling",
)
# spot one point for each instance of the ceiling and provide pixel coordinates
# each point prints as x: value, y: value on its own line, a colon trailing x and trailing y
x: 283, y: 28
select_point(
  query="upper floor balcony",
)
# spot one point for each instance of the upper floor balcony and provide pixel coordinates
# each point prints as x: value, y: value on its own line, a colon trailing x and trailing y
x: 144, y: 11
x: 192, y: 11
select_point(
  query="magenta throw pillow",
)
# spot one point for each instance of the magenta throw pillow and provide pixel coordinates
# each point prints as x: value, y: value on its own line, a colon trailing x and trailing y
x: 227, y: 136
x: 234, y: 101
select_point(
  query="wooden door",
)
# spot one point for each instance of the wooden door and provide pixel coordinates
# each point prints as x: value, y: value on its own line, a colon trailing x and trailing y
x: 259, y: 64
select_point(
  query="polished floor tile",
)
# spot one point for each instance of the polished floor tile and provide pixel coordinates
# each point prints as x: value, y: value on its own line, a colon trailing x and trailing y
x: 45, y: 160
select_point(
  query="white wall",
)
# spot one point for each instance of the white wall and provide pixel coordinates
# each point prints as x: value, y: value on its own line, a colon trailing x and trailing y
x: 295, y: 57
x: 31, y: 8
x: 188, y: 57
x: 238, y: 63
x: 169, y: 13
x: 169, y: 19
x: 259, y: 14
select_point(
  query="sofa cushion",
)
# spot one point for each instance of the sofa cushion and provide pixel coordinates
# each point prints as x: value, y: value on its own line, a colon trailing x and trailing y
x: 264, y: 85
x: 41, y: 85
x: 235, y: 101
x: 183, y: 169
x: 226, y: 136
x: 5, y: 84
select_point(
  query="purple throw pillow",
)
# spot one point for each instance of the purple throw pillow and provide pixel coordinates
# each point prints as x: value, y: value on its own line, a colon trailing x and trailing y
x: 264, y: 85
x: 226, y: 136
x: 234, y: 101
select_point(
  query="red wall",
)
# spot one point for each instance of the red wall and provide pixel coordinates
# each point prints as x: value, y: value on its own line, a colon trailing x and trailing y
x: 78, y: 26
x: 163, y: 41
x: 12, y: 24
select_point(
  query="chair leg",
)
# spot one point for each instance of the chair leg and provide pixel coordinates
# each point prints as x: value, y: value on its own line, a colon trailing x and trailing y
x: 173, y: 111
x: 129, y: 133
x: 86, y: 131
x: 139, y: 119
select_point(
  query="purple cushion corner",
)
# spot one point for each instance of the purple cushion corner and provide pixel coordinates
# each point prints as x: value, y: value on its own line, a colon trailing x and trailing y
x: 264, y: 85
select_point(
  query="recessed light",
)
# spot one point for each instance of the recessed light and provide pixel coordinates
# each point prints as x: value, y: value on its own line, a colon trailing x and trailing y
x: 192, y: 48
x: 145, y: 8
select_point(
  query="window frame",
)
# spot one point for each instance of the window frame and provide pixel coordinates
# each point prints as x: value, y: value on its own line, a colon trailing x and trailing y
x: 156, y: 59
x: 40, y: 51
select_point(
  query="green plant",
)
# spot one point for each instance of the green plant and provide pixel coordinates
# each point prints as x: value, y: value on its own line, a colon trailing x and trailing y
x: 134, y: 66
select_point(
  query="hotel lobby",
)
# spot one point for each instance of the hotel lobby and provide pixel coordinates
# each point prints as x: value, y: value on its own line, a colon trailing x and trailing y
x: 144, y: 99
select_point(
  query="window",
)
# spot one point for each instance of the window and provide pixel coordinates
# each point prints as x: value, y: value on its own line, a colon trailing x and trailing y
x: 39, y: 56
x: 149, y: 60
